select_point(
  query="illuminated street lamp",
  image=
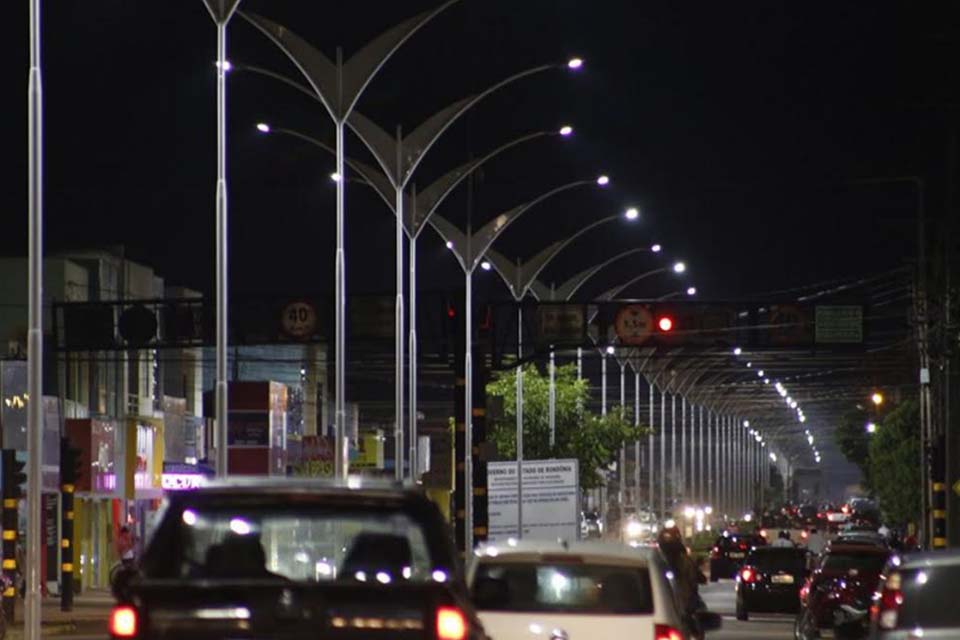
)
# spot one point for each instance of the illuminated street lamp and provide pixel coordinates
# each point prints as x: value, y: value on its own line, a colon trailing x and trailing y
x: 871, y: 427
x: 877, y: 398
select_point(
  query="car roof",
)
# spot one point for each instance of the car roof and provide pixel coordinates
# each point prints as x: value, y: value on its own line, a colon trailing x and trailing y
x: 594, y: 549
x: 857, y: 549
x: 265, y: 486
x: 941, y: 558
x: 773, y: 549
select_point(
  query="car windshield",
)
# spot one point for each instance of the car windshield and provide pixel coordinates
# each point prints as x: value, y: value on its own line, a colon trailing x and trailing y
x: 775, y: 559
x: 312, y: 544
x: 562, y: 588
x: 860, y: 562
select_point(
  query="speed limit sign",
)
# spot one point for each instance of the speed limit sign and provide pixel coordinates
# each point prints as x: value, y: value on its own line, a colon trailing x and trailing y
x: 299, y: 319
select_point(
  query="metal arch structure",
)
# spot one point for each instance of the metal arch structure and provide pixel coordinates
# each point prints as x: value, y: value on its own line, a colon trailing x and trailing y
x: 338, y: 86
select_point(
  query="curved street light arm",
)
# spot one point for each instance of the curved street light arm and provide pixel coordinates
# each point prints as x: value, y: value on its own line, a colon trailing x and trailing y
x: 339, y: 92
x: 433, y: 196
x: 221, y: 10
x: 372, y: 176
x: 456, y: 240
x: 614, y: 292
x: 491, y: 231
x: 290, y: 82
x: 569, y: 288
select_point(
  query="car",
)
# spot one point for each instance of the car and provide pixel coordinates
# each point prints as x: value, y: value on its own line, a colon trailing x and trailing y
x: 587, y: 589
x: 843, y: 582
x: 261, y: 557
x: 728, y: 552
x: 861, y: 537
x: 918, y: 592
x: 769, y: 581
x: 591, y: 525
x: 640, y: 527
x: 807, y: 514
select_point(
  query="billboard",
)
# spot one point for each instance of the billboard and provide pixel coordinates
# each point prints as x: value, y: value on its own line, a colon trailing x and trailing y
x: 551, y: 500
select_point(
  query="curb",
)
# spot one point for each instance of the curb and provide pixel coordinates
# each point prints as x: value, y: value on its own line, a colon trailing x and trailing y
x: 60, y: 629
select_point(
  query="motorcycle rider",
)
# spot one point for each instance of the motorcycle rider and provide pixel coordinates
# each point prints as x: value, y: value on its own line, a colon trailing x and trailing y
x: 783, y: 540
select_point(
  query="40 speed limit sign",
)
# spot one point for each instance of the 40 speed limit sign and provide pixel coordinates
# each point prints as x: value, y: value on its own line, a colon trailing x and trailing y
x: 299, y: 319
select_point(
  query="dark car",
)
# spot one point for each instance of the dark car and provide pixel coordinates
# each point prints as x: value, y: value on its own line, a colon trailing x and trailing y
x: 807, y: 515
x: 769, y: 581
x: 280, y: 559
x: 919, y: 592
x: 728, y: 553
x: 844, y: 582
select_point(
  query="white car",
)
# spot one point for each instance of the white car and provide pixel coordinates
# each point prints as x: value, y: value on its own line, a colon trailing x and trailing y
x: 543, y: 590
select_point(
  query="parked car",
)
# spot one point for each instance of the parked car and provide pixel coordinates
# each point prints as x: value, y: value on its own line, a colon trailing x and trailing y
x: 839, y: 591
x: 591, y: 525
x: 769, y: 581
x: 592, y: 589
x: 258, y: 558
x: 728, y: 553
x: 919, y: 592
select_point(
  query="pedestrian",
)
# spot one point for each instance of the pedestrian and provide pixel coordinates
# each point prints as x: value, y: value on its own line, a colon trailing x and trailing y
x: 686, y: 576
x: 126, y: 545
x: 815, y: 541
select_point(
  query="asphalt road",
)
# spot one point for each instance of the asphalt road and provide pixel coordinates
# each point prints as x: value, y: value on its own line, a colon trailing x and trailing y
x: 719, y: 597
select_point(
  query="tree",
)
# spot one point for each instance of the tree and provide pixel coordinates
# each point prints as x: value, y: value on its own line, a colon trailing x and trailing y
x: 894, y: 454
x: 854, y: 442
x: 592, y: 439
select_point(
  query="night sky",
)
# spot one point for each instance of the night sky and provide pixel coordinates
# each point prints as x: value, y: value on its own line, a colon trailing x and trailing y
x: 735, y: 127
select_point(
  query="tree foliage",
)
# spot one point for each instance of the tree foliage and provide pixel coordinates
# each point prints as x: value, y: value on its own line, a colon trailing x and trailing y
x: 894, y: 462
x: 854, y: 442
x: 592, y: 439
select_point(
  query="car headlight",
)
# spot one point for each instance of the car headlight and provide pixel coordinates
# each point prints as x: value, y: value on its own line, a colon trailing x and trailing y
x: 634, y: 528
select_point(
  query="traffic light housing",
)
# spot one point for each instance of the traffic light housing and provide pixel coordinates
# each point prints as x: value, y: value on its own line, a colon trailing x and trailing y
x: 13, y: 475
x: 71, y: 467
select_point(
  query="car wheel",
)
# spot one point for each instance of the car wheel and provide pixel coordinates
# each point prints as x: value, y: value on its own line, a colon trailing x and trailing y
x: 805, y: 627
x: 742, y: 613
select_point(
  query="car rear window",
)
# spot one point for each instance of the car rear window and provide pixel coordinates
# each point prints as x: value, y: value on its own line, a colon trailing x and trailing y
x: 860, y: 562
x: 562, y: 588
x: 308, y: 544
x: 930, y: 598
x: 774, y: 559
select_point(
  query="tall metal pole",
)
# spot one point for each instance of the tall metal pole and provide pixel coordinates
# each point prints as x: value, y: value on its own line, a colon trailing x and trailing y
x: 340, y: 429
x: 603, y: 384
x: 636, y: 445
x: 398, y: 328
x: 579, y: 363
x: 650, y: 447
x: 468, y: 417
x: 35, y: 339
x: 412, y: 351
x: 673, y: 447
x: 622, y: 464
x: 519, y: 412
x: 684, y: 469
x: 708, y: 488
x: 663, y: 454
x: 222, y: 281
x: 552, y: 398
x: 701, y: 498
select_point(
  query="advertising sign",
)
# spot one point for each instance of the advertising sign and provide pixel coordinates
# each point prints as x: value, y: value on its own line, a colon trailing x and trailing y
x: 551, y: 505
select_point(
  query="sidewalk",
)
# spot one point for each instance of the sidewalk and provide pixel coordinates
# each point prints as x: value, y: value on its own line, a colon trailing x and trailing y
x: 89, y: 616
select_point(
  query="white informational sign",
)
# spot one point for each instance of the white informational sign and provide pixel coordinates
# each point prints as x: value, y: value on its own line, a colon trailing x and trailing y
x: 551, y: 500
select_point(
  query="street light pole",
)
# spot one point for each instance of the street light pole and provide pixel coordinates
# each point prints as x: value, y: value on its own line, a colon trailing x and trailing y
x: 338, y: 86
x: 35, y: 320
x: 663, y: 454
x: 650, y: 447
x: 636, y: 445
x: 221, y: 11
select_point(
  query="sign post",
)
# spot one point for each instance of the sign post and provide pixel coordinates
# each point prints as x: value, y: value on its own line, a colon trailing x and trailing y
x: 551, y: 505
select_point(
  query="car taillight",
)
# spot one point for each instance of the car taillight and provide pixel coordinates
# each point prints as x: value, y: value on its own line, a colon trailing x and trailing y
x: 763, y: 533
x: 748, y: 575
x: 451, y: 625
x: 743, y: 546
x: 715, y: 552
x: 804, y: 535
x: 886, y: 609
x: 804, y: 592
x: 666, y: 632
x: 123, y: 622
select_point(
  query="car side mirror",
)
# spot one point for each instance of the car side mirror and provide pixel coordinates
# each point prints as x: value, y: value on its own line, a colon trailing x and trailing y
x: 708, y: 620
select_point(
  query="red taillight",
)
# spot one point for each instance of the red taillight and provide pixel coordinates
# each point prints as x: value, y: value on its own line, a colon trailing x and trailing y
x: 666, y: 632
x: 451, y: 625
x: 715, y: 552
x: 123, y: 622
x: 743, y: 546
x: 763, y: 533
x: 748, y: 575
x: 804, y: 535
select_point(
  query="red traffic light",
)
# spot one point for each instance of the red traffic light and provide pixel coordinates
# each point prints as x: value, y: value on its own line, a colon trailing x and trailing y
x: 665, y: 323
